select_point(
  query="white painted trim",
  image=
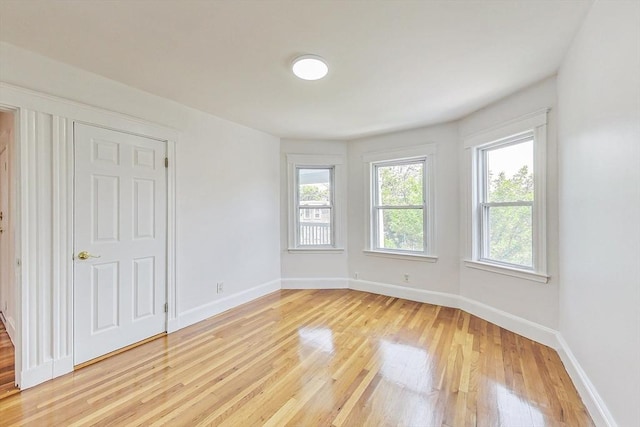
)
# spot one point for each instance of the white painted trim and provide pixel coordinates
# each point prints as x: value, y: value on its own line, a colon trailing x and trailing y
x: 11, y: 329
x: 399, y: 255
x: 337, y: 162
x: 510, y: 127
x: 172, y: 292
x: 412, y: 294
x: 532, y: 330
x: 401, y: 153
x: 428, y: 152
x: 534, y: 124
x: 524, y: 327
x: 507, y: 271
x: 312, y: 283
x: 55, y: 105
x: 45, y: 371
x: 37, y: 375
x: 62, y: 366
x: 44, y: 156
x: 587, y: 391
x: 316, y: 251
x: 205, y: 311
x: 315, y: 159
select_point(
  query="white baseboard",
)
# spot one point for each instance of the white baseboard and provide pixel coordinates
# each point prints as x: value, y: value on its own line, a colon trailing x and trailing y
x: 45, y: 372
x: 526, y: 328
x: 534, y: 331
x: 62, y: 366
x: 412, y: 294
x: 587, y: 391
x: 10, y: 325
x: 205, y: 311
x: 34, y: 376
x: 321, y: 283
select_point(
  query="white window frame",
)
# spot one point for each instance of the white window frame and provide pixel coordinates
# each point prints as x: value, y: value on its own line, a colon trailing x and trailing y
x: 309, y: 161
x: 532, y: 126
x: 422, y: 153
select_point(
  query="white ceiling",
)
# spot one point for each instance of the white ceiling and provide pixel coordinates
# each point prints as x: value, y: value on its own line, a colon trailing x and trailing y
x: 393, y: 64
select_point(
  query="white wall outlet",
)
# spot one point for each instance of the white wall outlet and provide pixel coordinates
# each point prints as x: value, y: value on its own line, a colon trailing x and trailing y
x: 406, y: 277
x: 220, y: 287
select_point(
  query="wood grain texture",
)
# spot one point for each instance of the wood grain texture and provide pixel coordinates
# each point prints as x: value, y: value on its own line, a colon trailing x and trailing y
x: 317, y: 358
x: 7, y: 368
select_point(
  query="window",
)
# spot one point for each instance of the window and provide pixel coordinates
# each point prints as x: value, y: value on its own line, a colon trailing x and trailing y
x: 401, y: 202
x: 315, y: 188
x: 508, y: 227
x: 398, y: 209
x: 506, y: 197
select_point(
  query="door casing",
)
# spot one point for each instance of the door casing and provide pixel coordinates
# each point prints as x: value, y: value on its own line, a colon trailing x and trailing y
x: 53, y: 335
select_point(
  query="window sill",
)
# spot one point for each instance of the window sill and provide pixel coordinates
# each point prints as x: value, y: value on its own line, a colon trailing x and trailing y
x: 315, y: 250
x: 514, y: 272
x: 397, y: 255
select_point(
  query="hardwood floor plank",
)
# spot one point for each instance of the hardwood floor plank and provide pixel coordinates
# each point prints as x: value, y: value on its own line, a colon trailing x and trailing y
x: 317, y: 358
x: 7, y: 368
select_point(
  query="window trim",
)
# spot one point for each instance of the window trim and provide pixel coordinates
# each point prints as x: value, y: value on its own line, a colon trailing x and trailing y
x: 310, y: 161
x: 425, y: 153
x: 535, y: 126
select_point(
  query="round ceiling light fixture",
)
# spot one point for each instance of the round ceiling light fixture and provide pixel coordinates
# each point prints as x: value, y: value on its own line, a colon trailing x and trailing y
x: 310, y: 67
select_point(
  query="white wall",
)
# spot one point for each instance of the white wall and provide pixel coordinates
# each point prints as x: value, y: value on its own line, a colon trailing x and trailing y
x: 529, y: 300
x: 599, y: 155
x: 441, y: 276
x: 227, y: 197
x: 312, y: 266
x: 228, y: 213
x: 224, y: 171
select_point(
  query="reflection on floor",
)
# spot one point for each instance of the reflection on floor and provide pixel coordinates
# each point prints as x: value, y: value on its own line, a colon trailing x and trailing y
x: 318, y: 358
x: 7, y: 360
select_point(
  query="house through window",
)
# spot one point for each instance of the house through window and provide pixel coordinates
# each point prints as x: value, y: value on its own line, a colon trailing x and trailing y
x: 314, y: 196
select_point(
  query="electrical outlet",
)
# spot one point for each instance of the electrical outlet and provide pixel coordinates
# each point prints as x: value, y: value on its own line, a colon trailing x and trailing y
x: 406, y: 278
x: 355, y: 275
x: 220, y: 287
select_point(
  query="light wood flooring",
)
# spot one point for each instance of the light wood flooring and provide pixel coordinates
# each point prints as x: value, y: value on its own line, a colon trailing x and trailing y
x: 317, y: 358
x: 7, y: 360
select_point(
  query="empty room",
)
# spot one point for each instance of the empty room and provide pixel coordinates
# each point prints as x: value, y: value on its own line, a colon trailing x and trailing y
x: 320, y: 213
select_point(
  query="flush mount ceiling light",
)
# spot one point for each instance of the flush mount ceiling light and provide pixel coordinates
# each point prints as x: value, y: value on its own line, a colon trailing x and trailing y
x: 310, y: 67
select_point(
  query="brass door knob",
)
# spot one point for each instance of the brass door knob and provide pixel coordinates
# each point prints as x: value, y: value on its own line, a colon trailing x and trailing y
x: 86, y: 255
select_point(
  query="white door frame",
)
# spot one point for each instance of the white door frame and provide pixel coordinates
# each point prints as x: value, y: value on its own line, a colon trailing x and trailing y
x: 44, y: 348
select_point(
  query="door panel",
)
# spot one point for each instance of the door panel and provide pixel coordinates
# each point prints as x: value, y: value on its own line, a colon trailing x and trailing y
x: 143, y: 292
x: 105, y: 304
x: 120, y: 220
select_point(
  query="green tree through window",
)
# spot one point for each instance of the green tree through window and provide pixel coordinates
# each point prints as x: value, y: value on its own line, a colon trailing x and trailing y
x: 400, y: 206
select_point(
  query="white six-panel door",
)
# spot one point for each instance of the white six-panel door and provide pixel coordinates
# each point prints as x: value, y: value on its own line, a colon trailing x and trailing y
x: 120, y: 223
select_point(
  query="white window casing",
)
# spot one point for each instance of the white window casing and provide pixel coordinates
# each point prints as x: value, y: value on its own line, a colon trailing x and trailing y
x: 424, y: 154
x: 335, y: 165
x: 532, y: 126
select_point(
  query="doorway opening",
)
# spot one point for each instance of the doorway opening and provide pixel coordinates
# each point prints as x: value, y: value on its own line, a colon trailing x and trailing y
x: 8, y: 291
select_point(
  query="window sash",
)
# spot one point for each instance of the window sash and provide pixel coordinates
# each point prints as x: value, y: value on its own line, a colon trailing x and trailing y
x: 377, y: 207
x: 329, y: 206
x: 485, y: 235
x: 484, y: 206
